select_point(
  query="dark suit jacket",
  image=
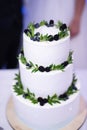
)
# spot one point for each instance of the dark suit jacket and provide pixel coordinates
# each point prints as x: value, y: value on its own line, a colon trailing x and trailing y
x: 10, y: 30
x: 10, y: 14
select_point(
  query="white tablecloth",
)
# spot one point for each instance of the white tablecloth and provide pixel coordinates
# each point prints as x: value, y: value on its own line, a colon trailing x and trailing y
x: 6, y: 80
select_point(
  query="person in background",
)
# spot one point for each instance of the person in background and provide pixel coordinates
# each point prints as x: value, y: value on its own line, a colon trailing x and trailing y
x: 71, y: 12
x: 10, y: 32
x: 76, y: 19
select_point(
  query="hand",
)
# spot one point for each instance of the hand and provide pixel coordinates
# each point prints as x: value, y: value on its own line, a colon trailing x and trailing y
x: 74, y: 27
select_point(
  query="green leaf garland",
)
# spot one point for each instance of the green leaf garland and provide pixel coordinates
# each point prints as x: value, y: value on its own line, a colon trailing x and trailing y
x: 34, y: 67
x: 18, y: 88
x: 31, y: 31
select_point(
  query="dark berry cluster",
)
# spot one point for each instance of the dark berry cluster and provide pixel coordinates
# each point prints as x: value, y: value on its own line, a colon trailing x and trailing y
x: 28, y: 65
x: 37, y: 25
x: 63, y: 27
x: 25, y: 95
x: 64, y: 64
x: 55, y: 37
x: 51, y: 23
x: 35, y: 38
x: 74, y: 87
x: 42, y: 101
x: 42, y: 69
x: 28, y: 31
x: 64, y: 96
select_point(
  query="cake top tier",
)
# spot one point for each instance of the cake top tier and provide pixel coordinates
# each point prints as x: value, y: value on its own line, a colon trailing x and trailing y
x: 47, y: 31
x: 46, y: 43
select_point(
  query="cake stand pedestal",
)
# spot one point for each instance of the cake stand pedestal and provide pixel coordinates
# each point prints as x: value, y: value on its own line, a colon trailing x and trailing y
x: 17, y: 124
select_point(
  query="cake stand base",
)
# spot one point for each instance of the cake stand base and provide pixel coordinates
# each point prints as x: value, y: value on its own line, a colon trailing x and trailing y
x: 17, y: 124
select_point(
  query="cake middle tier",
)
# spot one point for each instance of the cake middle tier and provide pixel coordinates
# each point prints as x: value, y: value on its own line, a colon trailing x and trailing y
x: 43, y: 84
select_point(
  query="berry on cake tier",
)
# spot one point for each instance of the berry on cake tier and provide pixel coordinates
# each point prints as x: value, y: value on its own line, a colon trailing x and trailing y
x: 46, y: 91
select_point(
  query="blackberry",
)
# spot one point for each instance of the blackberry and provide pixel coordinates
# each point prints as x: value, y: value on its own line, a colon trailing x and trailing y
x: 17, y: 83
x: 42, y: 101
x: 26, y: 31
x: 41, y: 68
x: 25, y: 95
x: 51, y: 23
x: 56, y: 37
x: 50, y: 38
x: 64, y: 96
x: 74, y: 87
x: 47, y: 69
x: 45, y: 100
x: 36, y: 38
x: 28, y: 65
x: 37, y: 25
x: 32, y: 38
x: 37, y: 34
x: 65, y: 63
x: 63, y: 27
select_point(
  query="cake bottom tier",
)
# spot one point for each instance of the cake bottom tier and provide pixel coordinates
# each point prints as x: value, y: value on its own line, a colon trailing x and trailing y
x: 47, y: 117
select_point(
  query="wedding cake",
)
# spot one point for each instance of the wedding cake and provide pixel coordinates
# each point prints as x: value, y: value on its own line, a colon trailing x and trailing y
x: 46, y: 91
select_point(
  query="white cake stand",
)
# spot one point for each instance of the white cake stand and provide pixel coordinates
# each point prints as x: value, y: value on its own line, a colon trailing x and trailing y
x: 17, y: 124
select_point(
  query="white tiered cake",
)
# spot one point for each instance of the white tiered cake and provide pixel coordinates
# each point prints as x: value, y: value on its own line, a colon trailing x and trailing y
x: 46, y: 94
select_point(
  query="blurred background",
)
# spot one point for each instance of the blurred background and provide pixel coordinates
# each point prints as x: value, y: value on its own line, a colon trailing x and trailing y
x: 15, y: 15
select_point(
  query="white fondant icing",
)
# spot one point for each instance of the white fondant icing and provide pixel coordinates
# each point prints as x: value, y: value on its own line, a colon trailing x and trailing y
x: 46, y: 83
x: 47, y: 116
x: 46, y: 53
